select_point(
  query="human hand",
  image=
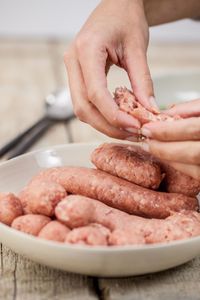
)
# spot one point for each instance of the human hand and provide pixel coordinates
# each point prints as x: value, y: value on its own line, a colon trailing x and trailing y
x: 177, y: 142
x: 113, y: 34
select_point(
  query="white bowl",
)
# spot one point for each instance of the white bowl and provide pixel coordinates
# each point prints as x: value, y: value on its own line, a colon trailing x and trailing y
x: 176, y: 87
x: 99, y: 261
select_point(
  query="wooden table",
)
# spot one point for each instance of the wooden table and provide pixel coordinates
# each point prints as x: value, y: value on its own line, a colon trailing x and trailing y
x: 29, y: 70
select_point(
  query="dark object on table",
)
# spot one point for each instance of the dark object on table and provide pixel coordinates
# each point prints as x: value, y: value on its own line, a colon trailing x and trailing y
x: 58, y: 108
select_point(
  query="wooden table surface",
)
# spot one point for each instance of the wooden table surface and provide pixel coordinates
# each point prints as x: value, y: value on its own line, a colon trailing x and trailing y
x: 29, y: 70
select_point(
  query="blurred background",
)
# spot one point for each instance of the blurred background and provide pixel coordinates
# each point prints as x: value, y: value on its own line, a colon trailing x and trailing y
x: 33, y: 39
x: 63, y: 19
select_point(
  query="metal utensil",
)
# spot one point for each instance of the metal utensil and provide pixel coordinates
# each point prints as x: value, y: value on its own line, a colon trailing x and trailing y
x: 58, y: 107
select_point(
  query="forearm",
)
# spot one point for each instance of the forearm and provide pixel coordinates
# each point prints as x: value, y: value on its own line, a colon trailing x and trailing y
x: 164, y: 11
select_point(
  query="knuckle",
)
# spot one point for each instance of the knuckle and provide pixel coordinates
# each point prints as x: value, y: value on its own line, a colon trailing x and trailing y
x: 82, y: 41
x: 114, y: 120
x: 164, y: 135
x: 79, y: 112
x: 93, y: 95
x: 194, y: 129
x: 194, y: 157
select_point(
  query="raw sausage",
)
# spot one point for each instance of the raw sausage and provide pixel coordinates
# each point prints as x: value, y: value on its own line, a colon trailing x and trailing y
x: 31, y: 224
x: 93, y: 235
x: 137, y: 166
x: 117, y: 192
x: 54, y: 231
x: 178, y: 182
x: 126, y: 162
x: 77, y: 211
x: 10, y: 208
x: 41, y: 197
x: 127, y: 229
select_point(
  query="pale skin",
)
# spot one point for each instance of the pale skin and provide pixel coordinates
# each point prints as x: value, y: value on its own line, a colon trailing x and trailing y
x: 118, y: 34
x: 177, y: 142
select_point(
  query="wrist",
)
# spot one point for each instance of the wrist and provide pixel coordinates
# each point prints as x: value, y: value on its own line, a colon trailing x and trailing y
x: 160, y: 12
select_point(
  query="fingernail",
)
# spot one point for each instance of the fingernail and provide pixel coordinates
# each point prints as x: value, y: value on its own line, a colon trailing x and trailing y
x: 132, y: 139
x: 132, y: 130
x: 154, y: 105
x: 146, y: 132
x: 144, y: 146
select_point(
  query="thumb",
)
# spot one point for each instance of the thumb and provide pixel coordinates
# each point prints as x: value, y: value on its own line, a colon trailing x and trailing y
x: 140, y: 78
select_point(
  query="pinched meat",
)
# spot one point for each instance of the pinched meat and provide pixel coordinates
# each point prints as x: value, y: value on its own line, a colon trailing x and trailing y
x: 127, y: 102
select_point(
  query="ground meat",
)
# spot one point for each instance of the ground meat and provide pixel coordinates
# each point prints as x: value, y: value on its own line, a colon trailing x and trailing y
x: 10, y: 208
x: 178, y: 182
x: 121, y: 237
x: 31, y: 224
x: 127, y: 102
x: 88, y: 235
x: 117, y: 192
x: 127, y: 229
x: 41, y: 197
x: 54, y: 231
x: 126, y: 162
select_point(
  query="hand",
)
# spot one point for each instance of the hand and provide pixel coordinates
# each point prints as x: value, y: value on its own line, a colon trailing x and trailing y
x: 177, y: 142
x: 115, y: 33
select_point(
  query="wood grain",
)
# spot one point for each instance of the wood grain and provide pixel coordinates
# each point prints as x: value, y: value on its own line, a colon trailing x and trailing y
x: 181, y: 283
x: 23, y: 279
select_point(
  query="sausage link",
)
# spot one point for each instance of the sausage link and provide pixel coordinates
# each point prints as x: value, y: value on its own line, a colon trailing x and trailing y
x: 10, y: 208
x: 178, y: 182
x: 129, y: 163
x: 54, y: 231
x: 41, y: 197
x: 31, y: 224
x: 117, y: 192
x: 127, y: 229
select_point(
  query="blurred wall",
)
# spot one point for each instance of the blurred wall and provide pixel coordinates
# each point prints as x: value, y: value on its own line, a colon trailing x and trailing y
x: 63, y: 18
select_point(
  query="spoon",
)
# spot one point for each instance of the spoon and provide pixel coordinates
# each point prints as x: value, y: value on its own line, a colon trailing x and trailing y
x: 58, y: 107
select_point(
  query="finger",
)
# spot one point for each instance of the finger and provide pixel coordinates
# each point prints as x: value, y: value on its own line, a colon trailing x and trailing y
x: 178, y: 130
x: 186, y: 109
x: 185, y: 152
x: 85, y: 110
x: 93, y: 64
x: 191, y: 170
x: 140, y: 77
